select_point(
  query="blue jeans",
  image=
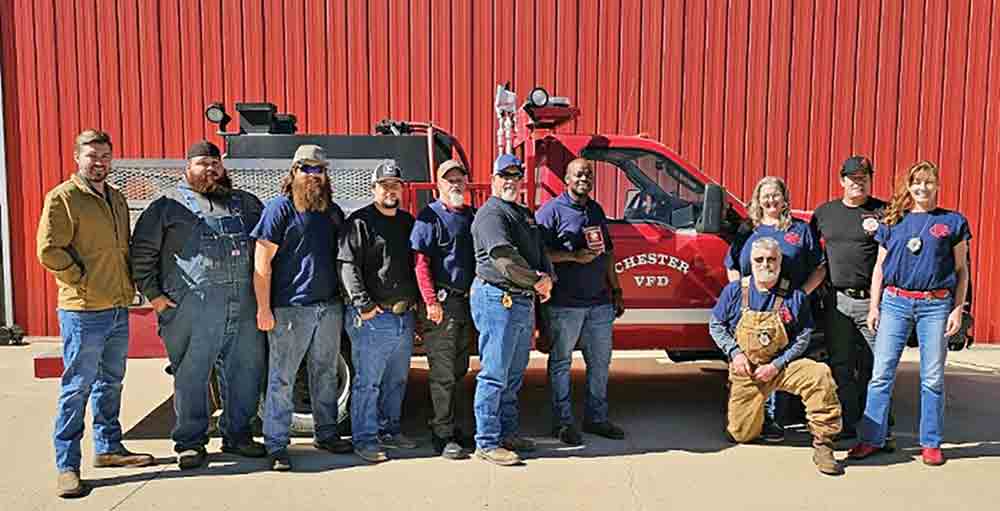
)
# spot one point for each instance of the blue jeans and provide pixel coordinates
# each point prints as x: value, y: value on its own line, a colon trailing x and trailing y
x: 211, y: 327
x: 381, y: 349
x: 504, y: 345
x: 592, y: 326
x: 898, y: 317
x: 311, y: 332
x: 95, y: 346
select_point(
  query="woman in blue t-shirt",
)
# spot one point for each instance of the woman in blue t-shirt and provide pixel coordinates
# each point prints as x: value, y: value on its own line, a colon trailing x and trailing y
x: 771, y: 217
x: 920, y: 280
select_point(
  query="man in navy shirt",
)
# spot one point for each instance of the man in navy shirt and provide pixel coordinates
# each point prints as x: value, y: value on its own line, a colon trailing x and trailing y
x: 298, y: 303
x: 445, y: 266
x: 585, y: 301
x: 763, y: 327
x: 511, y: 270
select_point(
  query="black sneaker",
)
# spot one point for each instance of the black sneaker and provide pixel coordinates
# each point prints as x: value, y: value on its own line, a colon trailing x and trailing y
x: 335, y: 445
x: 606, y: 429
x: 248, y: 449
x: 772, y: 433
x: 568, y: 435
x: 890, y: 443
x: 191, y: 458
x: 280, y: 462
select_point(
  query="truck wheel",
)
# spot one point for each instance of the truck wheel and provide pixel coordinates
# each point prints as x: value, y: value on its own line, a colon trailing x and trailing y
x: 302, y: 418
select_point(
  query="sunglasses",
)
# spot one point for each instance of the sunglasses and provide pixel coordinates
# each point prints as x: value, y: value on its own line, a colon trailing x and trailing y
x: 312, y: 169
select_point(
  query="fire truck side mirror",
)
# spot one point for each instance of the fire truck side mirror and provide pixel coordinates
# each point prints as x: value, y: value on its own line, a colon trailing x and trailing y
x: 712, y: 209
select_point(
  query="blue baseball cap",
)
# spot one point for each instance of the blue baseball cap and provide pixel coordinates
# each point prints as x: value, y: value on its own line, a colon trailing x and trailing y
x: 505, y: 162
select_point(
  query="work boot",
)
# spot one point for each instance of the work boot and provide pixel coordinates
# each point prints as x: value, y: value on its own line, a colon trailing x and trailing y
x: 568, y: 435
x: 68, y: 485
x: 518, y: 444
x: 123, y: 458
x: 191, y: 458
x: 862, y: 451
x: 246, y: 449
x: 606, y: 429
x: 281, y: 461
x: 397, y: 441
x: 335, y: 445
x: 825, y: 462
x: 373, y: 454
x: 499, y: 456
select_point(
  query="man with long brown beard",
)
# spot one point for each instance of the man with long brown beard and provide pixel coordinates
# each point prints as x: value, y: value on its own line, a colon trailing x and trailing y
x: 192, y: 258
x: 298, y: 301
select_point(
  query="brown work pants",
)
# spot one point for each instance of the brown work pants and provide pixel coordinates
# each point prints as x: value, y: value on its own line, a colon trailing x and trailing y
x: 806, y: 378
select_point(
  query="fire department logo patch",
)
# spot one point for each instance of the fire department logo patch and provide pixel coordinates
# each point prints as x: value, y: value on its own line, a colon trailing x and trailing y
x: 793, y: 238
x: 786, y: 315
x: 870, y: 225
x: 940, y: 230
x: 595, y: 238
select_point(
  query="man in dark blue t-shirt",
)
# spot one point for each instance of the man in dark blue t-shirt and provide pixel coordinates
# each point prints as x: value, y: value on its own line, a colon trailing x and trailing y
x: 298, y: 303
x: 585, y: 301
x: 445, y: 266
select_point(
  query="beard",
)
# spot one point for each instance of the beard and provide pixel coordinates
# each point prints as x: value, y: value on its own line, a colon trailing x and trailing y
x: 311, y: 194
x: 509, y: 195
x: 389, y: 203
x: 765, y: 276
x: 213, y: 189
x: 454, y: 198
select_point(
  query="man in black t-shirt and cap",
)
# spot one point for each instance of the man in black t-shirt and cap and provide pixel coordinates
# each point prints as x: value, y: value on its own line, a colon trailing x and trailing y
x: 376, y: 266
x: 847, y: 225
x: 511, y: 270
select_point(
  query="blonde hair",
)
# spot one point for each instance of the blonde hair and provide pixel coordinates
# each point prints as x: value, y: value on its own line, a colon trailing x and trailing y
x: 756, y: 211
x: 902, y: 201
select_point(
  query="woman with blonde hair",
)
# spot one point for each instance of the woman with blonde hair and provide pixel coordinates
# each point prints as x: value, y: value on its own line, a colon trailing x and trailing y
x: 801, y: 258
x: 920, y: 280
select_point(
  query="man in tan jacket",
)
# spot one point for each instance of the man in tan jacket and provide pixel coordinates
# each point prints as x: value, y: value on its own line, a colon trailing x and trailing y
x: 83, y: 238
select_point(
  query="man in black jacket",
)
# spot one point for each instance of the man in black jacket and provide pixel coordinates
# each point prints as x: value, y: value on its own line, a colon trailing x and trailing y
x: 193, y: 259
x: 376, y: 266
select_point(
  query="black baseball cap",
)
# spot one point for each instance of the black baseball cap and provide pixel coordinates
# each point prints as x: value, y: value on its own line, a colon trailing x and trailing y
x: 387, y: 171
x: 856, y: 164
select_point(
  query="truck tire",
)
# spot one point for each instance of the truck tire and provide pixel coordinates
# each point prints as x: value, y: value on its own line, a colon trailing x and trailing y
x: 302, y: 418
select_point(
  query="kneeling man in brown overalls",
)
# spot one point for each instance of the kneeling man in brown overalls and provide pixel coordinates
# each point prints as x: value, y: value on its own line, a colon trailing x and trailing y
x: 764, y: 328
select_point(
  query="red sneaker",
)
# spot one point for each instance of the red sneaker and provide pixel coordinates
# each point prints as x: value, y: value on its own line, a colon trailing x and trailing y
x: 932, y: 456
x: 862, y: 451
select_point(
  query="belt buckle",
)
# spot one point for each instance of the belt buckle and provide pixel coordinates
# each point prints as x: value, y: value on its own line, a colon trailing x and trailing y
x: 399, y: 308
x: 506, y: 300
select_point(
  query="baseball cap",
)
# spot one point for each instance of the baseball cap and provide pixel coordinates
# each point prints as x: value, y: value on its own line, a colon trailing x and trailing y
x: 386, y: 170
x: 451, y: 165
x: 856, y: 164
x: 310, y: 154
x: 502, y: 166
x: 203, y: 148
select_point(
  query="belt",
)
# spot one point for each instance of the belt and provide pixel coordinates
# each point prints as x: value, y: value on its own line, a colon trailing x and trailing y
x: 919, y: 295
x: 512, y: 290
x: 856, y: 292
x: 444, y: 291
x: 398, y: 307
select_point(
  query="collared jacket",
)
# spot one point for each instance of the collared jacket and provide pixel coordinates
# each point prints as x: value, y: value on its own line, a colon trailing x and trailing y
x: 83, y: 241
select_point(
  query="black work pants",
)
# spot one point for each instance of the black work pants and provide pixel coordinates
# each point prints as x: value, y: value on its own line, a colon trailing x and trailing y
x: 447, y: 345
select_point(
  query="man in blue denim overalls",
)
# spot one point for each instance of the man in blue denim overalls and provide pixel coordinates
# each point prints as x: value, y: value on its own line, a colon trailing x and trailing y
x: 193, y: 259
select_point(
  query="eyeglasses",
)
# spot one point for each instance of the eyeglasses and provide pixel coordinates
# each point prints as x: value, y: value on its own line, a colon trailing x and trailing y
x: 760, y: 260
x: 312, y: 169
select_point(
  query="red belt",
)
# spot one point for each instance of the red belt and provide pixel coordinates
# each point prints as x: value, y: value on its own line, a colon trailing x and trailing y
x: 919, y: 295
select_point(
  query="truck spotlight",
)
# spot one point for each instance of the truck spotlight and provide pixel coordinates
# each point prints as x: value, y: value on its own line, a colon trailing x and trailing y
x: 538, y: 97
x: 216, y: 114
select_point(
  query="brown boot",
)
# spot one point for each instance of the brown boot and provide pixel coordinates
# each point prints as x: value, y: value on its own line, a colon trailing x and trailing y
x: 824, y: 459
x: 499, y: 456
x: 68, y: 484
x: 123, y: 458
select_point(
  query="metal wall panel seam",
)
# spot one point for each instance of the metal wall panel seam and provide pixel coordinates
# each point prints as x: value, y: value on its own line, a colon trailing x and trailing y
x: 8, y: 281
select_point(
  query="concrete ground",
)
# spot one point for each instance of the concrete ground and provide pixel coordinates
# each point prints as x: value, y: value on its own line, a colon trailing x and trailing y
x: 674, y: 456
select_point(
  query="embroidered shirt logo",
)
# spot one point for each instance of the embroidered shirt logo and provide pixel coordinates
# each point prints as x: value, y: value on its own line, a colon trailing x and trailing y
x: 786, y: 315
x: 869, y: 224
x: 793, y: 238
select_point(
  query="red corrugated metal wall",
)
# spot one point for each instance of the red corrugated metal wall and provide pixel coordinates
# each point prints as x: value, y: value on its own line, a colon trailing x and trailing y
x: 741, y: 88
